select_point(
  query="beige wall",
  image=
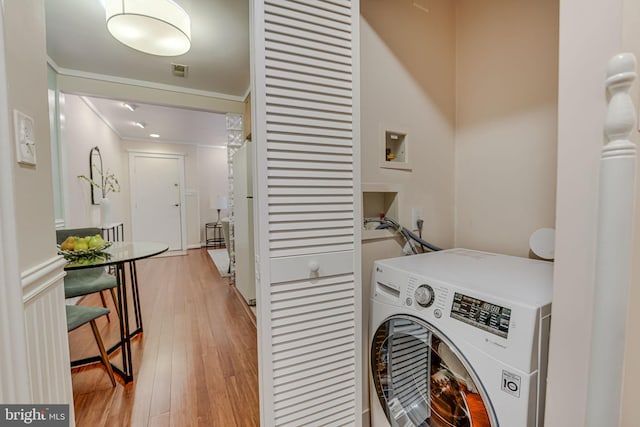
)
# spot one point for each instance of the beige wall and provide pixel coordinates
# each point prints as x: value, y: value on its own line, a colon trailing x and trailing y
x: 80, y: 131
x: 27, y: 92
x: 474, y: 84
x: 506, y: 86
x: 407, y: 83
x: 410, y: 86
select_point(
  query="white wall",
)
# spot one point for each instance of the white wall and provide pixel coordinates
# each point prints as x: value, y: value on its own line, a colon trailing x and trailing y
x: 205, y: 174
x: 506, y: 96
x: 213, y: 173
x: 81, y: 130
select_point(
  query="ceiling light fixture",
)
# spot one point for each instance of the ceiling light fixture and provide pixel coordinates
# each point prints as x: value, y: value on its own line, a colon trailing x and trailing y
x: 157, y: 27
x: 154, y: 135
x: 130, y: 107
x: 140, y: 125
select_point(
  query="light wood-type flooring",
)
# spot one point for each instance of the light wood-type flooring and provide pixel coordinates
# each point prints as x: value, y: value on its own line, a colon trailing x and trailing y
x: 195, y: 364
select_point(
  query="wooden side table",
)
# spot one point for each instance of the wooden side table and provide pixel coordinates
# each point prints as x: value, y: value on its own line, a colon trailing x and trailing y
x: 213, y: 235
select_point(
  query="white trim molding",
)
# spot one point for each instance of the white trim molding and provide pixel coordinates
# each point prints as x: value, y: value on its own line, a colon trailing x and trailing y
x: 40, y: 278
x: 46, y: 333
x: 614, y: 256
x: 141, y: 83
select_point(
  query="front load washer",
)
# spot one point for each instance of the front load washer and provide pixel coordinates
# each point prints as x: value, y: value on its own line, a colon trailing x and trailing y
x: 459, y: 338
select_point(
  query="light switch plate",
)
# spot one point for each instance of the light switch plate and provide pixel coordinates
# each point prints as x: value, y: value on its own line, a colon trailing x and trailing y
x: 23, y: 126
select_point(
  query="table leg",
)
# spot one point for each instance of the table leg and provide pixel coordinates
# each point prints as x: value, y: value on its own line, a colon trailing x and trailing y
x: 125, y: 338
x: 133, y: 273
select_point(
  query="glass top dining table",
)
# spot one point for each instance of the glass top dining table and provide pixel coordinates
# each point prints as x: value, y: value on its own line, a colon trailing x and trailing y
x: 122, y: 254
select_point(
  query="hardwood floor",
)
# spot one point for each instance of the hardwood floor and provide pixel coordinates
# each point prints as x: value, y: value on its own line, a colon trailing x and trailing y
x: 195, y: 364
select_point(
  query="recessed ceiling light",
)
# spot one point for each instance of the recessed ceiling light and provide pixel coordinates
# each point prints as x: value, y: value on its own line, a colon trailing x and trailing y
x: 154, y: 135
x: 130, y: 107
x: 140, y: 125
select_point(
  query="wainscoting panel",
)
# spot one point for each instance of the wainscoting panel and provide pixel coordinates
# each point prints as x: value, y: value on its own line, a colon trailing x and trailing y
x: 46, y: 334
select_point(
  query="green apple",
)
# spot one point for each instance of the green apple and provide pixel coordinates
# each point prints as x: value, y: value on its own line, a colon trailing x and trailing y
x: 96, y: 242
x: 81, y: 245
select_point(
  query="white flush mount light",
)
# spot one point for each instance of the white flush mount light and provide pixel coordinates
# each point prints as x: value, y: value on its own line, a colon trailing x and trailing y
x: 157, y: 27
x: 140, y: 125
x: 130, y: 107
x: 154, y: 135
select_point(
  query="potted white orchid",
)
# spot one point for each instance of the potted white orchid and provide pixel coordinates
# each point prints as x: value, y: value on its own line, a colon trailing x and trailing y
x: 102, y: 180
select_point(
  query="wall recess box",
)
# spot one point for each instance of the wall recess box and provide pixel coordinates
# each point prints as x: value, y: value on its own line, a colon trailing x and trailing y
x: 395, y: 149
x: 377, y: 200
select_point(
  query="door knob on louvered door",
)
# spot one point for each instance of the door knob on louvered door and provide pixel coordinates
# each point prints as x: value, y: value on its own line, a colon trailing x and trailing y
x: 314, y: 266
x: 177, y: 204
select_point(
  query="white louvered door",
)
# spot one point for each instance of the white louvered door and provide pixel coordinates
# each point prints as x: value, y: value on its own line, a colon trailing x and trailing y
x: 305, y: 118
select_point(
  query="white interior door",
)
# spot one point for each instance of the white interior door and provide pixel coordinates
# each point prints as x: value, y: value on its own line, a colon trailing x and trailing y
x: 307, y: 200
x: 157, y: 199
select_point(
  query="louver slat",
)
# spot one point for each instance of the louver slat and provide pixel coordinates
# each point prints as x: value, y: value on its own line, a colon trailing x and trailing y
x: 308, y: 176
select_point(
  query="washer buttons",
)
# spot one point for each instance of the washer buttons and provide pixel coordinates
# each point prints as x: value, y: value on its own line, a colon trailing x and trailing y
x: 437, y: 313
x: 409, y: 301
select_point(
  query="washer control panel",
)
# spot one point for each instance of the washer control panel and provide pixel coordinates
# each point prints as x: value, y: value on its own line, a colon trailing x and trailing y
x: 424, y: 295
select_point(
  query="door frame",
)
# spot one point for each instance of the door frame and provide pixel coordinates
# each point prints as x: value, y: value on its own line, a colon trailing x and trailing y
x: 133, y: 154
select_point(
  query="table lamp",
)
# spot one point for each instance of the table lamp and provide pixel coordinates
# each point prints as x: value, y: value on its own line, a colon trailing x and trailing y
x: 221, y: 203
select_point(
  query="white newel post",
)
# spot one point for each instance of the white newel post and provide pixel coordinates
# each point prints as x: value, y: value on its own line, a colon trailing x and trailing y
x: 614, y: 251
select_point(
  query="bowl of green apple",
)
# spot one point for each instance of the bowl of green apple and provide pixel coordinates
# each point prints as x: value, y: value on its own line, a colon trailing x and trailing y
x: 84, y: 250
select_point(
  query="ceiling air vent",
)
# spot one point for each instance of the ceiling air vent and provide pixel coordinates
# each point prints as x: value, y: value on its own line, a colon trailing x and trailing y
x: 179, y: 70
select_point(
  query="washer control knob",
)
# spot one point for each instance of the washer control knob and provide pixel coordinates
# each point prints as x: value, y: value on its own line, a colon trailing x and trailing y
x: 424, y: 296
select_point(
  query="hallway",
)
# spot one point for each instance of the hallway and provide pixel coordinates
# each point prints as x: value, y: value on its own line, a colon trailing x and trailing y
x: 195, y: 363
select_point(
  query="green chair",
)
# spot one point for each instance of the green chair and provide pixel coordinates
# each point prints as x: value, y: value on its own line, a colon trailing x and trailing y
x: 86, y: 281
x: 78, y: 315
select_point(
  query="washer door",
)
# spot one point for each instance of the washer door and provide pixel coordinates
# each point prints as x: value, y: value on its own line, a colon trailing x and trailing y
x: 423, y: 380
